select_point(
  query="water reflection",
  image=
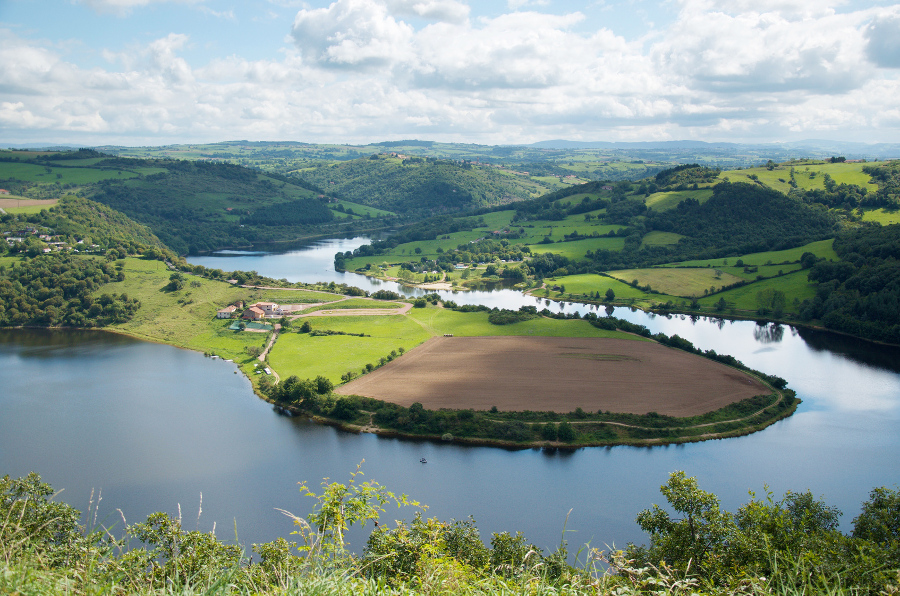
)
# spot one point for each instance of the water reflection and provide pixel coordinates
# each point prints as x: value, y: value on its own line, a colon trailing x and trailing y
x: 766, y: 333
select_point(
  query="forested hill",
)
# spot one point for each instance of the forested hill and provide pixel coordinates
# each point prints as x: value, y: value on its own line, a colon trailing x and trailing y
x: 422, y: 185
x: 744, y: 218
x: 200, y: 206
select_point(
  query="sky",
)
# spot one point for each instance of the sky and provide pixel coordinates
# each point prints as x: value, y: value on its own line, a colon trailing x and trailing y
x: 153, y: 72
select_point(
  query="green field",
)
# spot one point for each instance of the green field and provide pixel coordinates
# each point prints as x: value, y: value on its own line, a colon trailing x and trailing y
x: 358, y: 210
x: 686, y: 283
x: 662, y: 201
x: 440, y: 321
x: 795, y: 286
x: 660, y: 239
x: 352, y: 303
x: 186, y: 317
x: 882, y: 216
x: 35, y: 173
x: 577, y: 249
x: 30, y: 209
x: 809, y: 175
x: 588, y: 283
x: 822, y: 249
x: 333, y: 355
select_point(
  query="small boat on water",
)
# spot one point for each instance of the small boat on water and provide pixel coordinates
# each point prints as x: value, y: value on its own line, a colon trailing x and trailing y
x: 423, y: 460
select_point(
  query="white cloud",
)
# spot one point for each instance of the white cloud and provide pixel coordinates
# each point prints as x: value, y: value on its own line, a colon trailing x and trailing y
x: 883, y: 41
x: 450, y: 11
x: 351, y: 34
x: 780, y: 50
x: 356, y: 70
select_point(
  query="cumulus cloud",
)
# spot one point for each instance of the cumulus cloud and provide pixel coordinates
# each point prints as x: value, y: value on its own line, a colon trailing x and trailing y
x: 374, y: 69
x: 883, y: 41
x: 768, y: 46
x: 450, y: 11
x: 351, y: 34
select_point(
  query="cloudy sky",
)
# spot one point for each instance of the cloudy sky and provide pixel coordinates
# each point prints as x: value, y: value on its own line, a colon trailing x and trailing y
x: 138, y: 72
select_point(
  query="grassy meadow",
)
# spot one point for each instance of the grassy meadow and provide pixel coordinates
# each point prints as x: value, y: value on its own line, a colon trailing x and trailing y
x: 333, y: 355
x: 661, y: 201
x: 577, y: 249
x: 795, y: 286
x: 352, y: 303
x: 186, y: 317
x: 882, y: 216
x: 686, y: 283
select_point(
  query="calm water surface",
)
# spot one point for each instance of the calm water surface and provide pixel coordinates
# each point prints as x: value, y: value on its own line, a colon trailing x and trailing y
x: 154, y: 427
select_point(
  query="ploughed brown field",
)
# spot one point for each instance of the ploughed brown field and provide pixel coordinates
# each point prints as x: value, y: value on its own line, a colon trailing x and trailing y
x: 556, y: 374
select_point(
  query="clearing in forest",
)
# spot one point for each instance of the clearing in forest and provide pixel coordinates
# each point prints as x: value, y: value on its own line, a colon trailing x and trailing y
x: 556, y: 374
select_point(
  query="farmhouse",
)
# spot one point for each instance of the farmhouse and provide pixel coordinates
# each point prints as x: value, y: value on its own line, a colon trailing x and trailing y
x: 269, y: 309
x: 226, y: 313
x: 254, y: 314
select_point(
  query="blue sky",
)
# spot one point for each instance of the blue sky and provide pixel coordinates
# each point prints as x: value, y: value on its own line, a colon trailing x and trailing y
x: 136, y: 72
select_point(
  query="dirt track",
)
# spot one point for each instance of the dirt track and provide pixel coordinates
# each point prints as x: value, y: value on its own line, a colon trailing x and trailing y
x: 558, y: 374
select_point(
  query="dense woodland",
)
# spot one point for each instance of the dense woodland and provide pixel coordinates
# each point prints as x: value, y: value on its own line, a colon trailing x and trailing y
x: 53, y: 290
x: 186, y: 205
x: 418, y: 185
x: 860, y: 294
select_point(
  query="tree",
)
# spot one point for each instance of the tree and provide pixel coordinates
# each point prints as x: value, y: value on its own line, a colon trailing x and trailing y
x: 880, y: 518
x: 610, y: 295
x: 699, y: 526
x: 176, y: 282
x: 565, y: 432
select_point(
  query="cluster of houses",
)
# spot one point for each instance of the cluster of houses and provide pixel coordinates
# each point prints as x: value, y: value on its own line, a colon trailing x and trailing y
x: 54, y: 243
x: 254, y: 312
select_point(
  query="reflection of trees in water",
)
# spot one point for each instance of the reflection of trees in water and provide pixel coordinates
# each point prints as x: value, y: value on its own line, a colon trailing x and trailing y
x: 857, y: 350
x: 768, y: 334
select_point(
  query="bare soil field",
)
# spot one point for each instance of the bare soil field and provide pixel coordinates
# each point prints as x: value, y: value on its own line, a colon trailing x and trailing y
x: 556, y: 374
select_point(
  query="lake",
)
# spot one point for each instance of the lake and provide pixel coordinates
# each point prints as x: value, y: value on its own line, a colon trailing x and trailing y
x: 153, y: 427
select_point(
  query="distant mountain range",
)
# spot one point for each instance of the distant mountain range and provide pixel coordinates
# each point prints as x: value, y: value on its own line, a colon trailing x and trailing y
x: 817, y: 146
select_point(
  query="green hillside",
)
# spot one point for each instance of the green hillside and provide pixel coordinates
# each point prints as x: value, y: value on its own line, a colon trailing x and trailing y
x: 417, y: 185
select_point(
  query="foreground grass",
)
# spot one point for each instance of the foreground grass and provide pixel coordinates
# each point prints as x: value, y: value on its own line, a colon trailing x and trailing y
x: 760, y: 550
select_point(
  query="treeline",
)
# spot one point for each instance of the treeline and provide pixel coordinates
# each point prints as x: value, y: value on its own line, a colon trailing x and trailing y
x: 57, y: 290
x: 860, y: 294
x: 887, y: 177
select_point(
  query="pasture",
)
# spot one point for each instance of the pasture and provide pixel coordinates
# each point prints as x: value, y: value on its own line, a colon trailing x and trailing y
x: 577, y: 249
x: 662, y: 201
x: 556, y: 374
x: 882, y: 216
x: 822, y: 249
x: 26, y: 206
x: 331, y: 356
x: 796, y: 288
x: 684, y: 282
